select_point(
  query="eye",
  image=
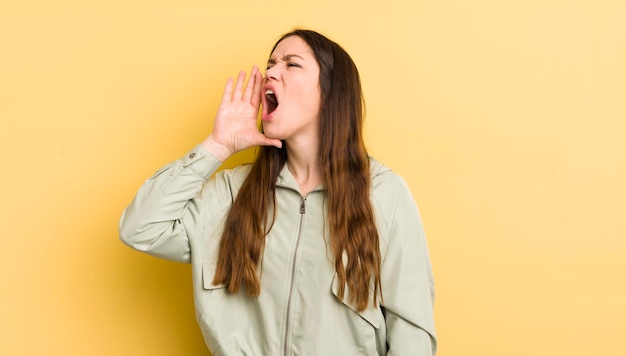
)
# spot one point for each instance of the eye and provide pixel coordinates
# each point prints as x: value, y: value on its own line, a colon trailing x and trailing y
x: 292, y: 64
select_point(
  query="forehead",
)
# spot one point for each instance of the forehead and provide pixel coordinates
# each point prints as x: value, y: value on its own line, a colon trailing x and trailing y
x: 292, y: 45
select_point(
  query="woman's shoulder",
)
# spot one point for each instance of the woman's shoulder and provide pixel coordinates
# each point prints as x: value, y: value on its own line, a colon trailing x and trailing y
x: 384, y: 179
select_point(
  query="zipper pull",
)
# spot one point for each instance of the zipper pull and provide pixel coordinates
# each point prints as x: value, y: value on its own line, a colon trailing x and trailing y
x: 302, y: 210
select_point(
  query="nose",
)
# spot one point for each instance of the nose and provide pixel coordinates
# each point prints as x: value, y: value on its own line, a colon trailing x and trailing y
x: 272, y: 73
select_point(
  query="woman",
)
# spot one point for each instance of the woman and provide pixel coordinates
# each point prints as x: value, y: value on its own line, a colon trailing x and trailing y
x: 314, y: 249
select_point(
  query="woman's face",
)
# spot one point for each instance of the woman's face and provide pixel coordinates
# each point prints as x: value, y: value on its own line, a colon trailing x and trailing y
x: 291, y: 92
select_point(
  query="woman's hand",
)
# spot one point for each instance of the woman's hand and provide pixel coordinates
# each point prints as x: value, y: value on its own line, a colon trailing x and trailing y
x: 235, y: 127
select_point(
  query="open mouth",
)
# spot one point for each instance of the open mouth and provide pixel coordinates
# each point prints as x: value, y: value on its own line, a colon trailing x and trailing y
x: 270, y: 101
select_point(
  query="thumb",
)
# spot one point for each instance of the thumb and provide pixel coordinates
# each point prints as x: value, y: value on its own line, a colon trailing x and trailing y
x: 272, y: 142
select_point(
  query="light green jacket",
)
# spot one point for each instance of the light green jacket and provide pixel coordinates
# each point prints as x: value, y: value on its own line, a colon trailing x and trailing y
x: 178, y: 214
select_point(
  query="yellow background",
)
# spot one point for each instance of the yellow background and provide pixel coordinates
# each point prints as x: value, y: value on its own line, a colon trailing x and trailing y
x: 507, y: 119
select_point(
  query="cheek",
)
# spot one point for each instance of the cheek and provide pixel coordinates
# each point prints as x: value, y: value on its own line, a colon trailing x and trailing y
x: 314, y: 96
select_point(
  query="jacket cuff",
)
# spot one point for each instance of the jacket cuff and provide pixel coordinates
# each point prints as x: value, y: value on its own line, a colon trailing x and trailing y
x: 202, y: 162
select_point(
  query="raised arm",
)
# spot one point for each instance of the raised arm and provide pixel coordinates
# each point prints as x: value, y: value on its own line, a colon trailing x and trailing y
x: 169, y: 207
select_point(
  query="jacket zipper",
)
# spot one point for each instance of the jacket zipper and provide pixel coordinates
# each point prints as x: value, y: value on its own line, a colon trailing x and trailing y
x: 293, y: 273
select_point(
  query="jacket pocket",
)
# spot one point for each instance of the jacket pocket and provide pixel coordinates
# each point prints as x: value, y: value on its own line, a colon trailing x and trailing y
x: 211, y: 297
x: 372, y: 315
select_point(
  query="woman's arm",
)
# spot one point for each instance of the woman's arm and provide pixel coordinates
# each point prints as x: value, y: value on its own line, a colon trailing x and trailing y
x: 168, y: 207
x: 407, y: 280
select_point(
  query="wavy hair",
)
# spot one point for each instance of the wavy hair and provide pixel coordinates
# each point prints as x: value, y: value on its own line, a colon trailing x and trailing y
x: 344, y: 162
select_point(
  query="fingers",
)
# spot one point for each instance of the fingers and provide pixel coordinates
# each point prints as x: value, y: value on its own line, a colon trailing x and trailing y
x: 239, y: 85
x: 228, y: 91
x: 253, y: 89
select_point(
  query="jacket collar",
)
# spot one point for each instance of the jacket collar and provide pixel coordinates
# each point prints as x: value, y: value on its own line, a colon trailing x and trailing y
x: 287, y: 180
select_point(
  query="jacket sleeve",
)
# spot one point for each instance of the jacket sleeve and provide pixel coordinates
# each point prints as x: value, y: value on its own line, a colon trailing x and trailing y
x: 407, y: 279
x: 168, y: 208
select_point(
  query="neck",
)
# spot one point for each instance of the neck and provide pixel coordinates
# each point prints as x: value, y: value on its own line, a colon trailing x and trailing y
x: 304, y: 164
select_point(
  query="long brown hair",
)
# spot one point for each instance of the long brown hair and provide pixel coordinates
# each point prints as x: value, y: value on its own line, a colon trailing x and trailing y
x: 346, y: 177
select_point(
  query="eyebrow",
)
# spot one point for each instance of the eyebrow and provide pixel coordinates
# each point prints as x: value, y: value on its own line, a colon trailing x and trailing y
x: 285, y: 58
